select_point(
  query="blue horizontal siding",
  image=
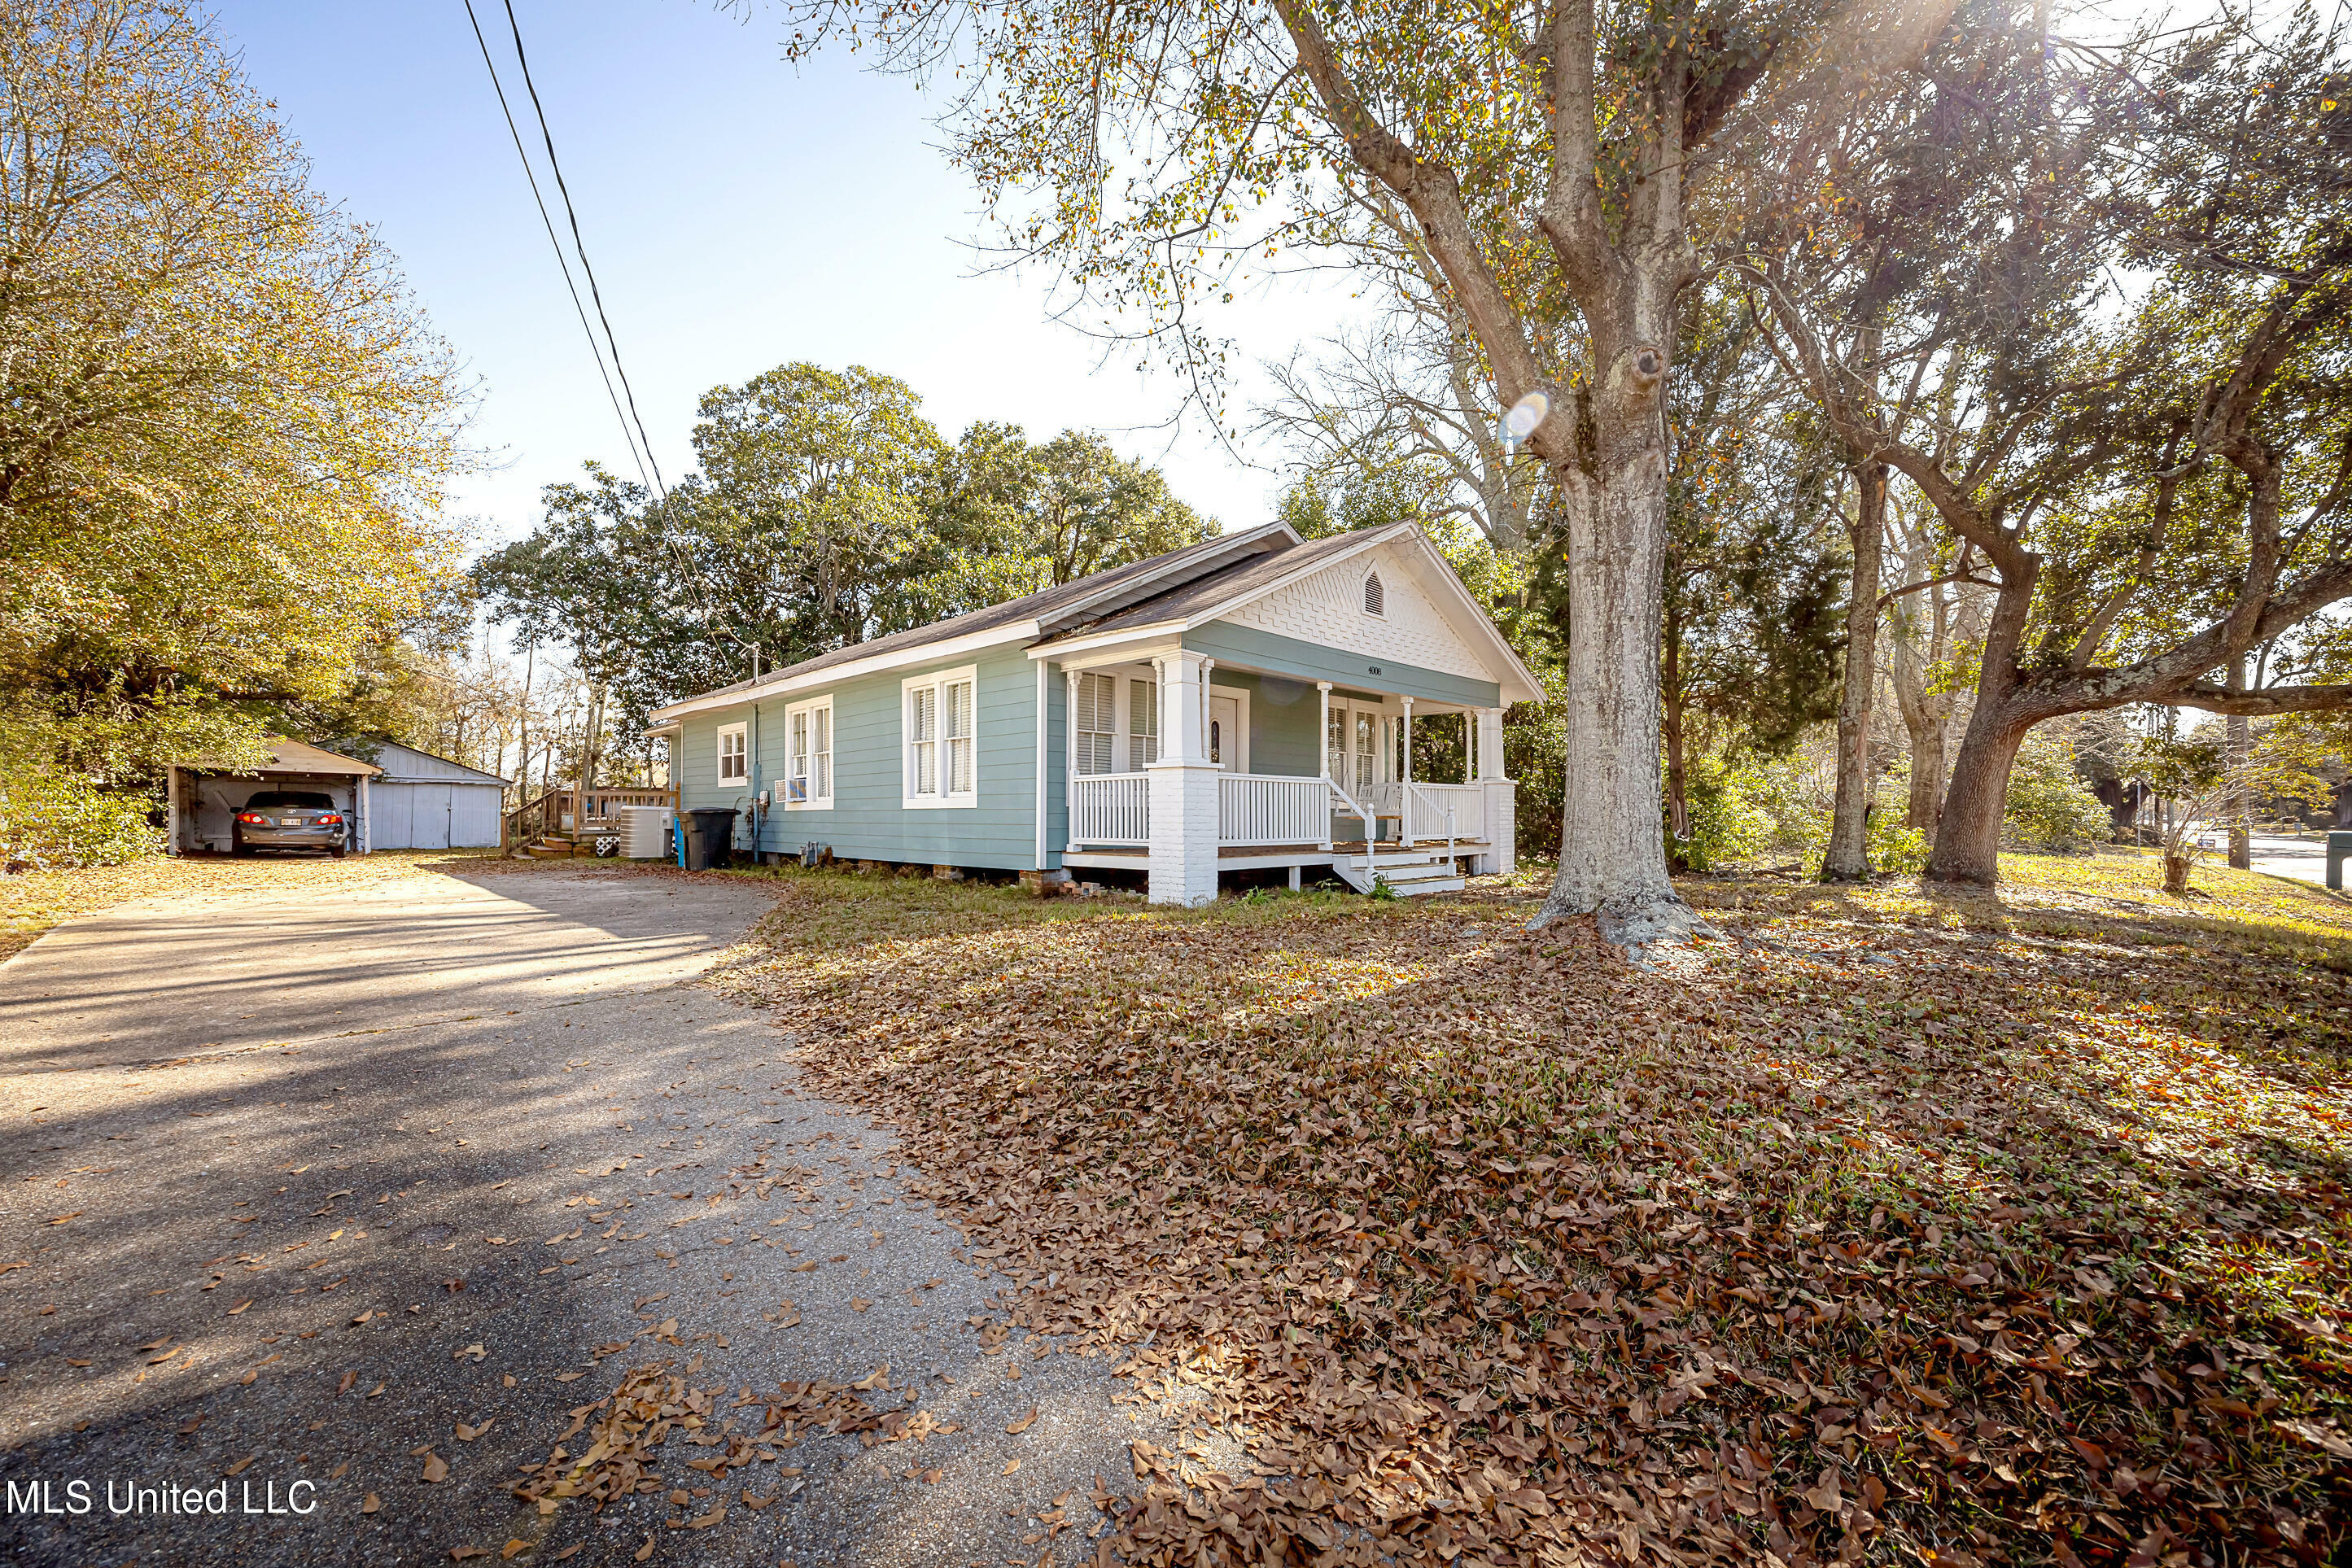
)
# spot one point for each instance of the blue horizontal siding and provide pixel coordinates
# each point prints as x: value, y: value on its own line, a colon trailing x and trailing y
x: 869, y: 819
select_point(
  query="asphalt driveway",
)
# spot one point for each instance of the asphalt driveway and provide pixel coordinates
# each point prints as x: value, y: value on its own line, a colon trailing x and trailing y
x: 353, y: 1204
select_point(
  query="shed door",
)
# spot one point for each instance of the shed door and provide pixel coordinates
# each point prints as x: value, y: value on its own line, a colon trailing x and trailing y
x: 474, y: 816
x: 429, y: 816
x: 389, y: 805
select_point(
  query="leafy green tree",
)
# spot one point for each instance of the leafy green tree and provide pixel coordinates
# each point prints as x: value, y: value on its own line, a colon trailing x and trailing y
x: 2151, y: 499
x: 827, y: 512
x: 1016, y: 517
x: 224, y: 423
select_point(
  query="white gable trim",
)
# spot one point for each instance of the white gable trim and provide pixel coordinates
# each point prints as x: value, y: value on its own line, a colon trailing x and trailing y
x: 1428, y: 573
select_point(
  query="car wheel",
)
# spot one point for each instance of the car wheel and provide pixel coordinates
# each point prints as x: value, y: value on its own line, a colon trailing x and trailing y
x: 237, y: 846
x: 337, y: 852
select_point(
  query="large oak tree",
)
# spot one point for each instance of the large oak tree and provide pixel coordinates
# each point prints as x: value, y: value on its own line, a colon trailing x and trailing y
x: 1554, y: 159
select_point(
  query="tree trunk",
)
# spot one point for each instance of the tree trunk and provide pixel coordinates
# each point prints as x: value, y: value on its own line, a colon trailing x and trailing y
x: 2238, y: 738
x: 1926, y: 802
x: 1612, y: 854
x: 2176, y: 874
x: 1968, y: 836
x: 1677, y: 773
x: 1848, y: 856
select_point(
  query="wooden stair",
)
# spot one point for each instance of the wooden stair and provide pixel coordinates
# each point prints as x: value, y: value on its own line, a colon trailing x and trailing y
x: 549, y: 846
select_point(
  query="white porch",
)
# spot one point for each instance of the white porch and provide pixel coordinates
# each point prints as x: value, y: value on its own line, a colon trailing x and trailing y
x: 1186, y: 808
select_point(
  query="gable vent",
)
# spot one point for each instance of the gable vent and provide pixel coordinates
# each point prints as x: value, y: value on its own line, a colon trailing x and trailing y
x: 1375, y: 598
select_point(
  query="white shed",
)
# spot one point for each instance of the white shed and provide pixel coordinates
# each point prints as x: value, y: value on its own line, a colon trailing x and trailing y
x: 420, y: 801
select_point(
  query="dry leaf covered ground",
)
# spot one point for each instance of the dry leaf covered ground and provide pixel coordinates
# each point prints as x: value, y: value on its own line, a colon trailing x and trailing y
x: 1899, y: 1228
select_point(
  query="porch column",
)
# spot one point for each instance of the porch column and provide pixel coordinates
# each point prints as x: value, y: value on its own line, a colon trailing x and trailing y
x: 1183, y: 788
x: 1070, y: 757
x: 1501, y: 857
x: 1322, y: 749
x: 1405, y: 794
x: 1469, y: 747
x: 1206, y: 665
x: 1490, y: 743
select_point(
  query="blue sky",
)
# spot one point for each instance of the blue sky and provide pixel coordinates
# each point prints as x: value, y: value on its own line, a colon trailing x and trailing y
x: 739, y: 215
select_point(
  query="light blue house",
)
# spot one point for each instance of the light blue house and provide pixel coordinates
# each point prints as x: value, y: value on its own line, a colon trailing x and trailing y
x: 1243, y: 704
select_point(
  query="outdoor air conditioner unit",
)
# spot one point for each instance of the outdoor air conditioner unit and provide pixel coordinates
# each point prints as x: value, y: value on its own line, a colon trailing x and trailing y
x: 645, y: 833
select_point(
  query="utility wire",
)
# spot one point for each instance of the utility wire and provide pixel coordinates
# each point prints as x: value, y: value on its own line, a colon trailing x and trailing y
x: 572, y: 288
x: 562, y: 190
x: 640, y: 446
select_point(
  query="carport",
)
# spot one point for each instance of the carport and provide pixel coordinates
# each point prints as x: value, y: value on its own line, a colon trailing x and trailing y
x: 204, y: 801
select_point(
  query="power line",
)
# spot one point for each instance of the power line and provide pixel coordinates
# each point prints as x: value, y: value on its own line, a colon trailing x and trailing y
x: 560, y: 261
x: 562, y: 190
x: 641, y: 450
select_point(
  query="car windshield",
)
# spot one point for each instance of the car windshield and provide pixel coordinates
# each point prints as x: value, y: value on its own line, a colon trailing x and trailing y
x: 298, y: 799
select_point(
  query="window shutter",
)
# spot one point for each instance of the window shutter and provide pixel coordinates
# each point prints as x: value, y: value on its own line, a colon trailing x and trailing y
x: 1097, y: 720
x: 822, y: 784
x: 959, y: 770
x: 1142, y: 724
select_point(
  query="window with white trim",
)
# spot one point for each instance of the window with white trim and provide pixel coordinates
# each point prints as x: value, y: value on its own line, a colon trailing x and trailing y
x: 939, y: 714
x: 734, y: 753
x: 808, y: 756
x: 1142, y: 724
x: 1376, y: 599
x: 1094, y: 720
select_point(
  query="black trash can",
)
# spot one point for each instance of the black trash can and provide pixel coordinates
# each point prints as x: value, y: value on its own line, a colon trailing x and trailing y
x: 709, y: 831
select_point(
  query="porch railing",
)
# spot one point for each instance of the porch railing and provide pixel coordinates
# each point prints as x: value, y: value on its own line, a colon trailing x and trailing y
x: 1448, y: 811
x: 1270, y: 809
x: 1112, y: 809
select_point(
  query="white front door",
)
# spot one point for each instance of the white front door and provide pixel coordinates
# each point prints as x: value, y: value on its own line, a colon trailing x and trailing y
x: 1228, y: 733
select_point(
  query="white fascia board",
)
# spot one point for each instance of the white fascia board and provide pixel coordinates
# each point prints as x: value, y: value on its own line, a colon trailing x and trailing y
x: 849, y: 670
x: 1139, y: 640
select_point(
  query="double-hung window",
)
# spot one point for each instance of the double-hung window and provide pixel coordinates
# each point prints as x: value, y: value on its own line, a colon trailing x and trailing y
x: 1096, y: 721
x: 808, y: 756
x: 1368, y: 749
x: 1142, y: 724
x: 940, y: 720
x: 734, y: 754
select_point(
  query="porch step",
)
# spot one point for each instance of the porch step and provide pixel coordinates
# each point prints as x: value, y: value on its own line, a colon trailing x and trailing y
x: 1409, y: 873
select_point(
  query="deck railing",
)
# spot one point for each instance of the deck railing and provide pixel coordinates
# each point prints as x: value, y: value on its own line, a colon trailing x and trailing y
x: 578, y: 813
x: 1110, y: 809
x: 1271, y: 808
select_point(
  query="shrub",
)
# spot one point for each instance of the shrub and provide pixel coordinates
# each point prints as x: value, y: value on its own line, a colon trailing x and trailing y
x: 51, y: 819
x: 2050, y: 808
x: 1726, y: 824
